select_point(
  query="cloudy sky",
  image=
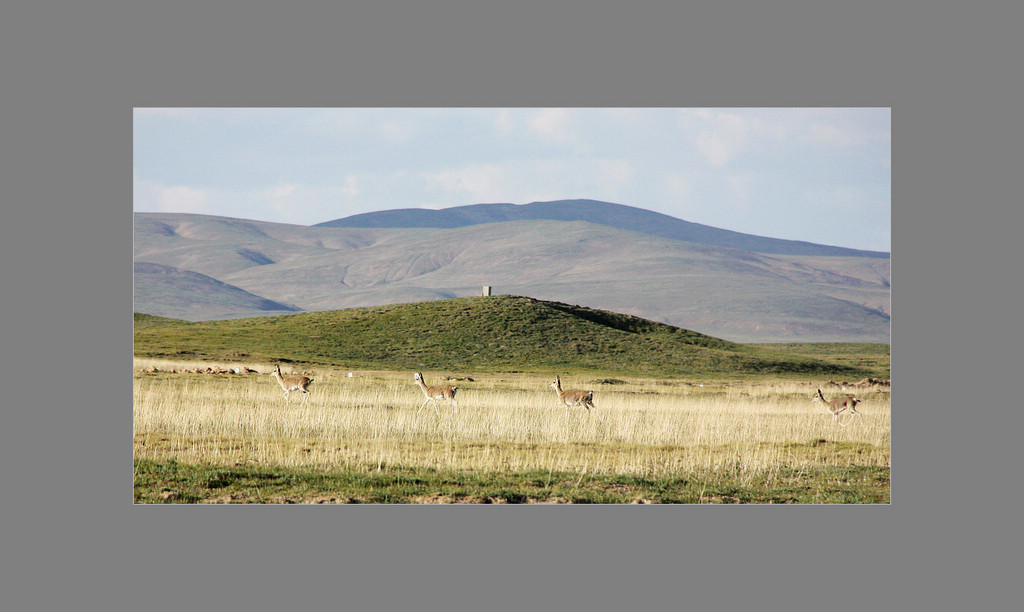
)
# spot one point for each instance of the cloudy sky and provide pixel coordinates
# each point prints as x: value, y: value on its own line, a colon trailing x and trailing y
x: 820, y: 175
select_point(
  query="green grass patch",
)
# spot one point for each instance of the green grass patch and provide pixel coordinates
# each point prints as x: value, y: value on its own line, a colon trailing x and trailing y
x: 173, y: 482
x: 866, y: 357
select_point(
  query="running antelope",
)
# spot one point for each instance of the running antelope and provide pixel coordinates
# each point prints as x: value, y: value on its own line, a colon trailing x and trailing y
x: 839, y: 404
x: 293, y: 383
x: 436, y: 392
x: 573, y: 398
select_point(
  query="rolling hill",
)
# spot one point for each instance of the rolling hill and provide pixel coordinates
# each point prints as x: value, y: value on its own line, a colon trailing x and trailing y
x: 499, y: 333
x: 182, y: 293
x: 592, y: 211
x: 742, y: 295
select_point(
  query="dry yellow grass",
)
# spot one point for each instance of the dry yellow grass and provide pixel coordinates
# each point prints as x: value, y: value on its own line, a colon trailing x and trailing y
x: 506, y: 422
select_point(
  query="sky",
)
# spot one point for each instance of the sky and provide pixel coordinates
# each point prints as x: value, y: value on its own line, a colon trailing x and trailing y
x: 821, y: 175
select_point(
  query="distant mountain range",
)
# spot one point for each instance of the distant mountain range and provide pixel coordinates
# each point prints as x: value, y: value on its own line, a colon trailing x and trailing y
x: 592, y: 211
x: 595, y: 254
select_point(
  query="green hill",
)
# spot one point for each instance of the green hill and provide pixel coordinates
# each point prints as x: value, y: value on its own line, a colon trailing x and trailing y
x: 499, y: 333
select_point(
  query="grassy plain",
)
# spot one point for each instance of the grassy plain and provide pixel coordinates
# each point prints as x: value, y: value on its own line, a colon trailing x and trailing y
x: 680, y: 416
x: 359, y: 439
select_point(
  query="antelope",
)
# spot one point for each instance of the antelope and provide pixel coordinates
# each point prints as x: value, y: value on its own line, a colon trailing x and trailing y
x: 436, y: 392
x: 293, y: 383
x: 839, y: 404
x: 573, y: 398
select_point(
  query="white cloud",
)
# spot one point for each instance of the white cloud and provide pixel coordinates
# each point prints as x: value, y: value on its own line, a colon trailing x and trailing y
x: 504, y: 121
x: 676, y: 186
x: 396, y: 131
x: 478, y: 183
x: 724, y: 138
x: 537, y: 180
x: 151, y: 197
x: 278, y: 192
x: 552, y: 124
x: 295, y: 203
x: 831, y: 135
x: 185, y: 199
x: 351, y: 187
x: 725, y: 135
x: 144, y: 196
x: 629, y: 116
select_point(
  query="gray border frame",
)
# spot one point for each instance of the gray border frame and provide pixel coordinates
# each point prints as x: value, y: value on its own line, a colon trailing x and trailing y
x: 73, y: 73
